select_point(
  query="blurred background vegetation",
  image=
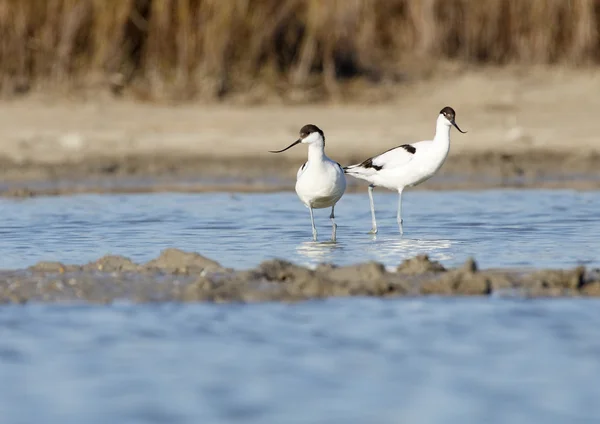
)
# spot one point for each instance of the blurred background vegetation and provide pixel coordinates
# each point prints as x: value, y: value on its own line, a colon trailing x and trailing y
x: 209, y: 49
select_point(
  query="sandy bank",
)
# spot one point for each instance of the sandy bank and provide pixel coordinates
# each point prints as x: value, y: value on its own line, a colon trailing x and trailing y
x: 526, y: 128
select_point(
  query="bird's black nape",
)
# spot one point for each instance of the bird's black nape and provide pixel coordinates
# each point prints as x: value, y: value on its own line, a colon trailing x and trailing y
x: 305, y: 131
x: 309, y: 129
x: 448, y: 112
x: 450, y: 115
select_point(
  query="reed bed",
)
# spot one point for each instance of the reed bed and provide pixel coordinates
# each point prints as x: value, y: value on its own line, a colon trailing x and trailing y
x: 210, y: 48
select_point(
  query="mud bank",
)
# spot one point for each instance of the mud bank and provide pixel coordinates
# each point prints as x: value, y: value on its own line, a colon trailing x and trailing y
x: 51, y: 145
x: 179, y: 276
x: 148, y: 174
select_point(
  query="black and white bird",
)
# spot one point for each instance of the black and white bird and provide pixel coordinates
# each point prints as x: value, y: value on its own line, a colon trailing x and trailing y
x: 406, y: 165
x: 320, y: 182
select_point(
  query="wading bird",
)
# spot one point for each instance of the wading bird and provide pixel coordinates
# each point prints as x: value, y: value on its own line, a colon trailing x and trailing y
x: 406, y: 165
x: 320, y: 182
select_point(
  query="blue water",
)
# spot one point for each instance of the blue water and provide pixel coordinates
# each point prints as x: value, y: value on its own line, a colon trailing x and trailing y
x: 500, y: 228
x: 338, y: 361
x: 427, y: 360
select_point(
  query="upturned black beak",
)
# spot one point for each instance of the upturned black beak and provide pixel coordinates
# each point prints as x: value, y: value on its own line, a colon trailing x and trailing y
x: 288, y: 147
x: 455, y: 126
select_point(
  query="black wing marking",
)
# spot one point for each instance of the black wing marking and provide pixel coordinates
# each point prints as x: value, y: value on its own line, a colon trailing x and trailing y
x: 303, y: 166
x: 409, y: 148
x: 369, y: 164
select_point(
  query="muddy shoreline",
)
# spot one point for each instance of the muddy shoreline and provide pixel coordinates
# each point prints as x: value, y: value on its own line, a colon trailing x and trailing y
x: 197, y: 174
x: 52, y: 144
x: 179, y: 276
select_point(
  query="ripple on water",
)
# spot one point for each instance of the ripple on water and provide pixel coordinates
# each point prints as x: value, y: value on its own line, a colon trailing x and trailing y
x: 501, y: 228
x: 350, y: 360
x: 356, y: 360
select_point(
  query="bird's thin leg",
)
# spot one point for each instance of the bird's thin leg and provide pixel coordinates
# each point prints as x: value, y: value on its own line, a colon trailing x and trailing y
x: 399, y: 216
x: 373, y: 220
x: 333, y: 224
x: 312, y: 221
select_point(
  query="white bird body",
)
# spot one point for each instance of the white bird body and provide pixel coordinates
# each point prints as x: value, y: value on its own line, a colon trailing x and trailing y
x: 407, y: 165
x: 400, y: 168
x: 320, y: 182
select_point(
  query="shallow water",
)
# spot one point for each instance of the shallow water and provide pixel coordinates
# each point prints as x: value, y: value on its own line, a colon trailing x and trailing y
x: 355, y: 360
x: 508, y: 228
x: 481, y: 360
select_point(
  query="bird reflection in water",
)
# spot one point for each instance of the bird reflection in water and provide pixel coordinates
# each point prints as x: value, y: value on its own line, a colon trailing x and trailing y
x: 320, y: 252
x: 393, y: 250
x: 390, y: 251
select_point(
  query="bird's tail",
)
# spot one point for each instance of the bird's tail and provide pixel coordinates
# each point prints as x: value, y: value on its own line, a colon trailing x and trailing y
x: 359, y: 171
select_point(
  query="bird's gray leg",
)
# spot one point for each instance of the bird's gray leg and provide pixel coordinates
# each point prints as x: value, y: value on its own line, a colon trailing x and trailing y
x: 333, y: 224
x: 399, y: 216
x: 373, y: 221
x: 312, y: 221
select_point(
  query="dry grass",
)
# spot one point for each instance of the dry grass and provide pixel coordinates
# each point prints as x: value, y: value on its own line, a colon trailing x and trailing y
x: 210, y: 48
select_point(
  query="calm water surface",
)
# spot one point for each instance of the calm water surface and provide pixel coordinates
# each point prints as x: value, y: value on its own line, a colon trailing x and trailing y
x: 499, y: 228
x: 484, y: 360
x: 338, y: 361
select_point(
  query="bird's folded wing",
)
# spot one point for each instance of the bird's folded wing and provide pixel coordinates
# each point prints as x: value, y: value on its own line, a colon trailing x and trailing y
x: 396, y: 157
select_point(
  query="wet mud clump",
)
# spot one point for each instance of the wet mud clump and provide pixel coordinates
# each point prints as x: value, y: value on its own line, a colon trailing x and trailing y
x: 179, y: 276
